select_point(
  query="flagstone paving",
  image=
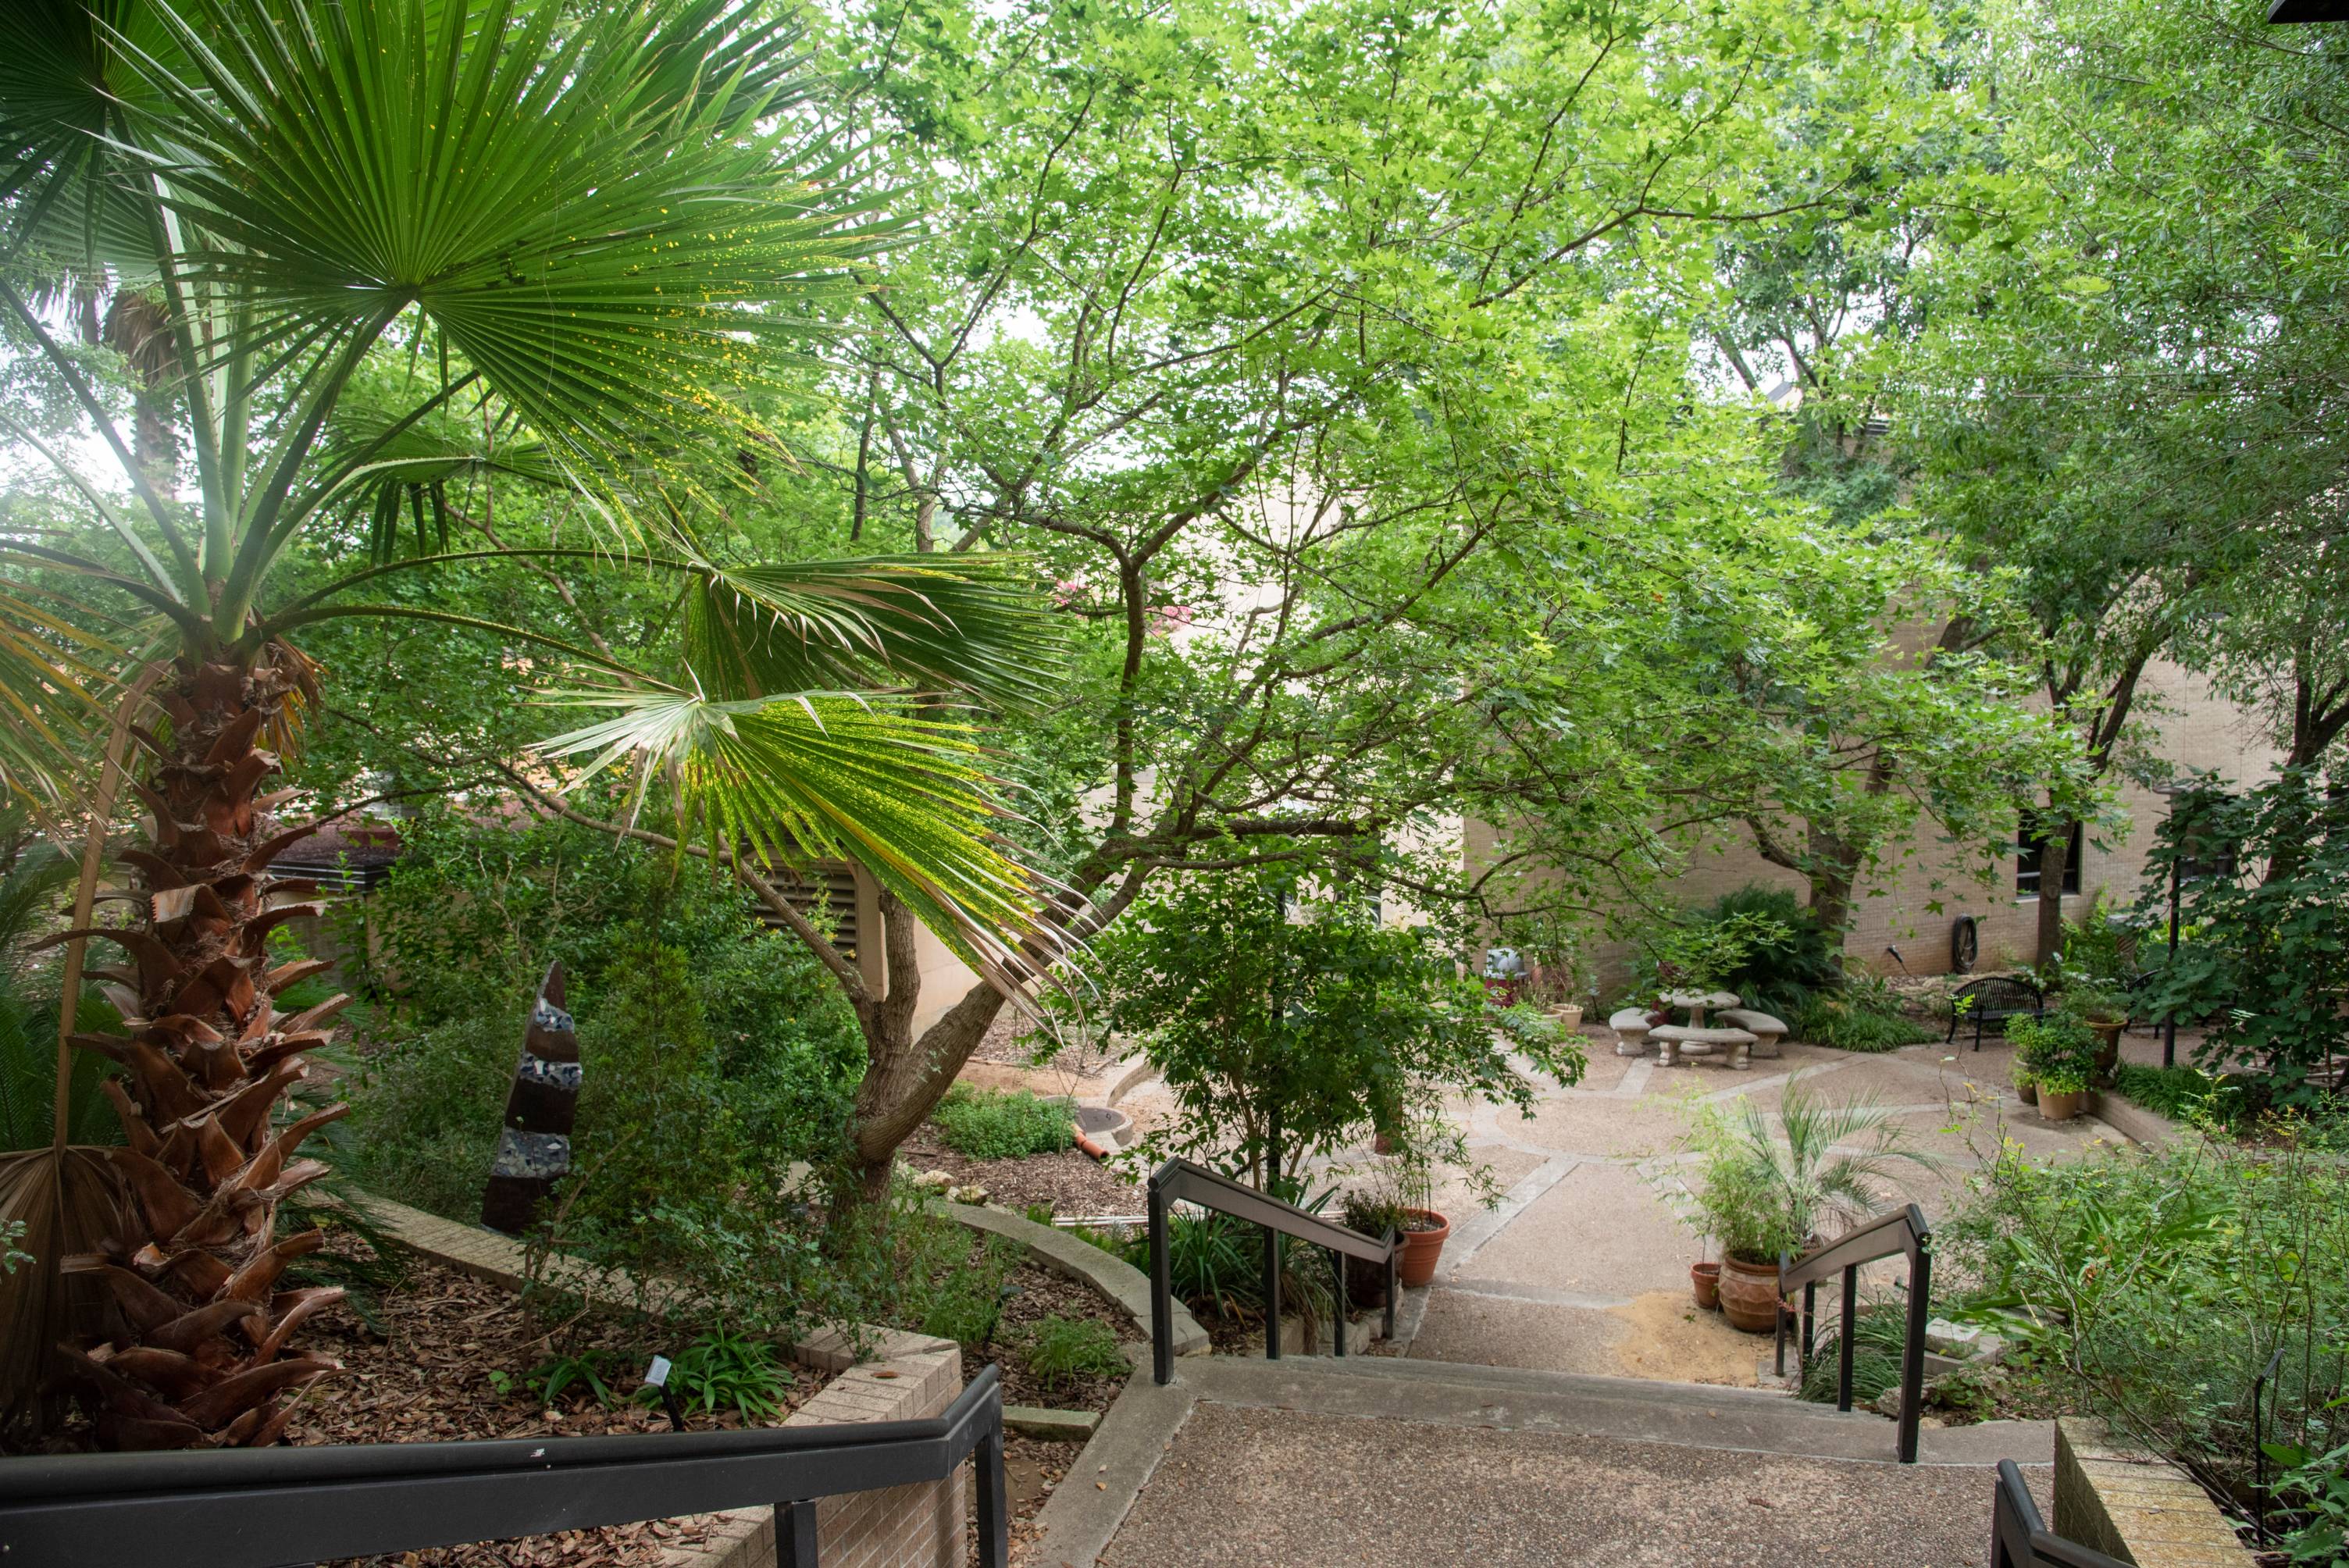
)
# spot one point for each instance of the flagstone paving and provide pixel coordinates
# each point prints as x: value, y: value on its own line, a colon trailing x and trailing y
x: 1582, y: 1267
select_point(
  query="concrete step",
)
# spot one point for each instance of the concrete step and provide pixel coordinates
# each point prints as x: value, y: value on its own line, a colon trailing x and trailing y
x: 1634, y: 1410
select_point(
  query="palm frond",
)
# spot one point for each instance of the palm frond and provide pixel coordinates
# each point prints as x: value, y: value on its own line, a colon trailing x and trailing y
x: 827, y: 775
x: 486, y: 162
x: 53, y: 673
x: 964, y: 624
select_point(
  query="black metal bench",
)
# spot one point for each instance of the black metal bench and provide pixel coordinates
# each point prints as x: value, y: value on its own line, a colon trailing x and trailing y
x: 1996, y: 999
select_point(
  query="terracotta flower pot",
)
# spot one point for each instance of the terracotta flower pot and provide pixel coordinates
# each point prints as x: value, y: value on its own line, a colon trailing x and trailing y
x: 1421, y: 1249
x: 2057, y: 1107
x: 2028, y: 1090
x: 1705, y: 1280
x: 1568, y: 1013
x: 1749, y: 1294
x: 2108, y: 1047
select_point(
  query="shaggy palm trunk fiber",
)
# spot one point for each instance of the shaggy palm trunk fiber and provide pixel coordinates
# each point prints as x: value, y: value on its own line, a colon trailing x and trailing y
x: 198, y: 1349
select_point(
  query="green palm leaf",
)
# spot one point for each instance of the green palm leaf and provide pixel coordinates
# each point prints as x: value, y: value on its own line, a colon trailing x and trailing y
x: 947, y: 622
x: 52, y: 715
x: 333, y: 165
x: 824, y: 775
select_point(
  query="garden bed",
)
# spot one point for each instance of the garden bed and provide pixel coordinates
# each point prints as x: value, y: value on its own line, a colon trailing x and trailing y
x: 454, y: 1360
x: 1068, y: 1182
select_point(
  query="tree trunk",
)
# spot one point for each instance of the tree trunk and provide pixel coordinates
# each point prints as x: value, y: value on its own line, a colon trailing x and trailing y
x: 2054, y: 861
x: 197, y: 1353
x: 904, y: 1077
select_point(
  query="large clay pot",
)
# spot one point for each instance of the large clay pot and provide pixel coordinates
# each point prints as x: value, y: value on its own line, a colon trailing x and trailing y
x: 1705, y: 1280
x: 2109, y: 1047
x: 2061, y: 1107
x: 2028, y: 1091
x: 1749, y: 1294
x: 1422, y: 1248
x: 1568, y: 1013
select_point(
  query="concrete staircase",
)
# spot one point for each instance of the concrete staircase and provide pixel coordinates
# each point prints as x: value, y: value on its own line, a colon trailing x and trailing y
x: 1602, y: 1470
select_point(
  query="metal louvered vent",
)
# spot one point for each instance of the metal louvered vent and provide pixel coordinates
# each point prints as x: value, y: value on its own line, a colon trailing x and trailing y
x: 825, y: 892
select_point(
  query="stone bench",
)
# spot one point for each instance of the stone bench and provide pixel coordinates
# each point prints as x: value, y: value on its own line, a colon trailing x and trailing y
x: 1767, y: 1030
x: 1674, y: 1039
x: 1630, y: 1027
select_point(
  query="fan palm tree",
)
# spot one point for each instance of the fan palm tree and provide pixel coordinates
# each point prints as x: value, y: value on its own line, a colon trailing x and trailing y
x: 597, y: 230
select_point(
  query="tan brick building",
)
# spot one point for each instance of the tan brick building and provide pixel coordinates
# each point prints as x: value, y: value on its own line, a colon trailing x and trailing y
x: 2189, y: 725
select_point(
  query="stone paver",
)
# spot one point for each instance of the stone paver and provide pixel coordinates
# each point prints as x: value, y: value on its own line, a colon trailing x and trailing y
x: 1259, y: 1486
x: 1601, y: 1231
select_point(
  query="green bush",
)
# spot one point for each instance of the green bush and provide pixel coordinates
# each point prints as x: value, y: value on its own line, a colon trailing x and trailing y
x: 1063, y: 1348
x: 1789, y: 959
x: 993, y: 1124
x: 2059, y: 1049
x: 2151, y: 1285
x: 1849, y: 1022
x: 426, y: 1108
x: 2179, y: 1093
x: 950, y: 1283
x: 2266, y: 959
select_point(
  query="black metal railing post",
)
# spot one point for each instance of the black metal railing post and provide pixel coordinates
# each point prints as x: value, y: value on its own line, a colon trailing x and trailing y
x: 1162, y: 1291
x: 1901, y: 1233
x: 994, y: 1507
x: 2019, y: 1537
x: 1394, y: 1278
x: 1271, y: 1293
x: 1912, y: 1352
x: 1337, y: 1302
x: 1845, y: 1338
x: 1180, y: 1181
x: 795, y: 1540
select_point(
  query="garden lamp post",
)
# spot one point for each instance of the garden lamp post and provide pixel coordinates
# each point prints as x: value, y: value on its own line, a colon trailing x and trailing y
x: 2174, y: 793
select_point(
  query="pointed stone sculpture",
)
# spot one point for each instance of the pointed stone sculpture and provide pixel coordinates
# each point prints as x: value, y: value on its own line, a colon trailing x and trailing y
x: 534, y: 1144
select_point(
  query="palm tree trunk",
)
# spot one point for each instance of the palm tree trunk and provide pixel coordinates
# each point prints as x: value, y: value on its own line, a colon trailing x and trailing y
x: 198, y: 1352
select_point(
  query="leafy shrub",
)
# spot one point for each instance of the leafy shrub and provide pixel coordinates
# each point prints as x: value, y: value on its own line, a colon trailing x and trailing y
x: 1787, y: 960
x: 952, y: 1284
x: 2100, y: 944
x: 2266, y: 959
x: 667, y: 1184
x: 1878, y: 1335
x: 2316, y: 1491
x: 724, y: 1371
x: 426, y: 1108
x: 1273, y: 1019
x: 1849, y: 1022
x: 2151, y: 1286
x: 1691, y: 950
x: 1063, y: 1348
x: 2059, y: 1049
x: 993, y: 1124
x: 555, y: 1376
x: 2179, y: 1093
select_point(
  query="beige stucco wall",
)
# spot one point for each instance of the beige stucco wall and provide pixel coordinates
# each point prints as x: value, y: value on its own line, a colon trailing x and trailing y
x: 2186, y: 723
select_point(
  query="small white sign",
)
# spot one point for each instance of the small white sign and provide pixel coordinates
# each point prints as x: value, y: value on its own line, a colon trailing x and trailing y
x: 656, y: 1375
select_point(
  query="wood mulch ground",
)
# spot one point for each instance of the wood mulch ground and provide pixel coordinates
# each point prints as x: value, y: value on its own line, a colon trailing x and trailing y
x: 1012, y: 1040
x: 1070, y: 1182
x: 433, y: 1375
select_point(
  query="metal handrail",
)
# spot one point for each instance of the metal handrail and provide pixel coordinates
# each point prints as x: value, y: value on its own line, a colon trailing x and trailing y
x: 251, y: 1508
x: 1903, y: 1233
x: 1181, y: 1181
x: 2019, y: 1537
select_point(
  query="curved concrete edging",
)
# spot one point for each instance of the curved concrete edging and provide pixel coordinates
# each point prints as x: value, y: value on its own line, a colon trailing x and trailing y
x: 1118, y: 1081
x: 1080, y: 1261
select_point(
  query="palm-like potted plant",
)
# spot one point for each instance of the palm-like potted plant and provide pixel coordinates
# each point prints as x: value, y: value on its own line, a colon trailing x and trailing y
x: 2106, y: 1010
x: 1760, y: 1190
x: 356, y: 255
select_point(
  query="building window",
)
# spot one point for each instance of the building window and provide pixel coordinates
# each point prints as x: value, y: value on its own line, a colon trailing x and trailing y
x: 2031, y: 854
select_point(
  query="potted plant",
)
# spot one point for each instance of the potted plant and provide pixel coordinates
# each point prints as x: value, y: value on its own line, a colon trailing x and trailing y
x: 2106, y: 1010
x: 2026, y: 1086
x: 1705, y: 1280
x: 2060, y: 1052
x: 1759, y: 1193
